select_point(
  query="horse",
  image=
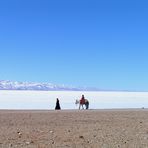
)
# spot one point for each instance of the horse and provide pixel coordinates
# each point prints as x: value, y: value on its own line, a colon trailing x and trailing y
x: 86, y: 103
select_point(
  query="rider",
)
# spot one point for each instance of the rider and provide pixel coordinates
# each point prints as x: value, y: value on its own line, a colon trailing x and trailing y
x: 82, y: 100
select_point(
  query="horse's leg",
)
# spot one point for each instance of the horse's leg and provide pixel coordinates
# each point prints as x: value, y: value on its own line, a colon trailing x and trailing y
x: 85, y: 105
x: 82, y: 106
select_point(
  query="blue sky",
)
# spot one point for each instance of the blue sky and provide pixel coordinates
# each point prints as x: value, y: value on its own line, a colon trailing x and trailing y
x: 82, y: 43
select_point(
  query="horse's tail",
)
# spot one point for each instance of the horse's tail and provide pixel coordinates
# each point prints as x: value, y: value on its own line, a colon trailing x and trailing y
x: 87, y: 104
x: 86, y: 101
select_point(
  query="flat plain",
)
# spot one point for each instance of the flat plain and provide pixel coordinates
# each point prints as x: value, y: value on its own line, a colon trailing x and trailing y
x: 112, y: 128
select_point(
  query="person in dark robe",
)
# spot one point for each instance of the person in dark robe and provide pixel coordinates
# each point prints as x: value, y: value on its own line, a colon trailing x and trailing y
x: 57, y: 105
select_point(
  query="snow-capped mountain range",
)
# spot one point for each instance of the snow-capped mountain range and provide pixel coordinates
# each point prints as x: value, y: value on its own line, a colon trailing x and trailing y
x: 15, y: 85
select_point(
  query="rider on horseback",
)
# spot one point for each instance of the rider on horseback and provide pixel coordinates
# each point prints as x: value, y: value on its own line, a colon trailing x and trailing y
x: 82, y: 100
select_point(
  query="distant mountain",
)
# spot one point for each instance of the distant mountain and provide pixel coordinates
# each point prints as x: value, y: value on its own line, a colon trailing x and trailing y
x: 14, y: 85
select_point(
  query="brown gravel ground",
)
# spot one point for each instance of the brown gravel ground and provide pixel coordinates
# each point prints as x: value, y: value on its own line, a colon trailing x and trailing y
x: 127, y: 128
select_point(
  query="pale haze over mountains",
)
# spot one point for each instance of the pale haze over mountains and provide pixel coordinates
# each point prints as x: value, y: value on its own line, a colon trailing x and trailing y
x: 15, y: 85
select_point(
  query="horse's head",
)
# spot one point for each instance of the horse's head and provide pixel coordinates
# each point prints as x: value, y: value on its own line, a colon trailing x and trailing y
x: 77, y: 102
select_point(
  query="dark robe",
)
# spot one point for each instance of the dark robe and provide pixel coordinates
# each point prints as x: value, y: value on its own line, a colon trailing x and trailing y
x: 57, y: 105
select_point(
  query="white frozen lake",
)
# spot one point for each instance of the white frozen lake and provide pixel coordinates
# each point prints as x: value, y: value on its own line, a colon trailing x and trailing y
x: 47, y: 99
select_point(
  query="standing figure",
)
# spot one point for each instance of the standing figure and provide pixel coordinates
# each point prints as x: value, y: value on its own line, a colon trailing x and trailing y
x: 57, y: 105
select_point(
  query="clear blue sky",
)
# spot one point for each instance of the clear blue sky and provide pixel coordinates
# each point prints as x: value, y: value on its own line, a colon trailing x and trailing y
x: 100, y: 43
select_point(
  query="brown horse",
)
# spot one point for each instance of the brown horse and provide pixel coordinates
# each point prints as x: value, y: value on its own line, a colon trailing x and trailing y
x: 86, y: 103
